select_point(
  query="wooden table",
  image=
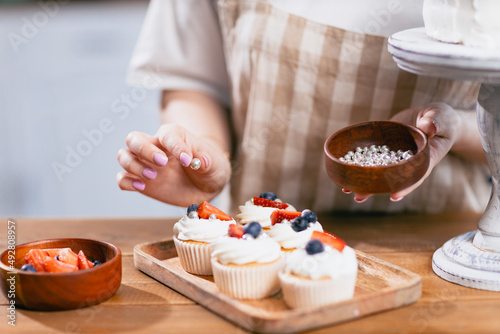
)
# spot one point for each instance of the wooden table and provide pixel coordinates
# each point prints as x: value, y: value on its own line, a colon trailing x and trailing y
x: 143, y: 305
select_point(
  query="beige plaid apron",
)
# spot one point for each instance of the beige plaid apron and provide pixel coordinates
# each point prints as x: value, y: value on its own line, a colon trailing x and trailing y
x: 294, y: 82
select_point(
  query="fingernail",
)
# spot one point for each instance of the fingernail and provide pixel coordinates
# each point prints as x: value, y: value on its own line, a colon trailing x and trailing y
x: 185, y: 159
x: 435, y: 126
x: 207, y: 163
x: 397, y: 199
x: 148, y: 173
x: 160, y: 159
x: 360, y: 200
x: 346, y: 191
x: 138, y: 185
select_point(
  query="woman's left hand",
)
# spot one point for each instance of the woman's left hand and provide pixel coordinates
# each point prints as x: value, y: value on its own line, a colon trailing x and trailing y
x: 441, y: 123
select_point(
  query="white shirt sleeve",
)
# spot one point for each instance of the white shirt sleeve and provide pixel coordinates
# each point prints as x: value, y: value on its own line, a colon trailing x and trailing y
x: 180, y: 47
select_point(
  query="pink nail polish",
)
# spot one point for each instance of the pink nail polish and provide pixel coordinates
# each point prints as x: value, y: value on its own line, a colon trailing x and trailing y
x: 396, y: 199
x: 185, y: 159
x: 346, y: 191
x: 148, y: 173
x: 160, y: 159
x: 138, y: 185
x: 207, y: 162
x: 358, y: 200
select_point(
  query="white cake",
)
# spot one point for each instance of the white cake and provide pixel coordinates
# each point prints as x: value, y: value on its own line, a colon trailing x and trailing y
x: 474, y: 23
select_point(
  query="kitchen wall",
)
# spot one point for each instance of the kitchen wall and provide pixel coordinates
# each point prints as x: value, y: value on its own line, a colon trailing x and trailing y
x: 65, y: 109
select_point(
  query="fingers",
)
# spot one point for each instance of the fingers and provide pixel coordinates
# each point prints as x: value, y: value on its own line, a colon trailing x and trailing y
x: 138, y: 161
x: 173, y: 139
x: 395, y: 197
x: 144, y: 153
x: 134, y: 166
x: 360, y: 198
x: 183, y: 146
x: 399, y: 195
x: 143, y: 146
x: 129, y: 182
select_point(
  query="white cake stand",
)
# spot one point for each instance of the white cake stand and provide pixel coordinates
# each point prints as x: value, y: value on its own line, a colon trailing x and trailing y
x: 471, y: 259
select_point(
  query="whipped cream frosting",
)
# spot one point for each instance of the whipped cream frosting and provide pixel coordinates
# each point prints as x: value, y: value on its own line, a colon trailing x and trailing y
x: 263, y: 249
x: 329, y: 263
x: 204, y: 230
x: 255, y: 213
x: 471, y: 22
x: 284, y: 234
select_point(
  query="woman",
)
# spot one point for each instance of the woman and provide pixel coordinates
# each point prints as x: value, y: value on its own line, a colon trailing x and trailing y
x: 295, y: 72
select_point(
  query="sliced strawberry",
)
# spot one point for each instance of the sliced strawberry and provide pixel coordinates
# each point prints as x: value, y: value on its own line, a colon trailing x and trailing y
x: 278, y: 215
x: 53, y: 266
x: 235, y: 231
x: 205, y: 209
x: 52, y: 252
x: 83, y: 262
x: 35, y: 257
x: 329, y: 239
x: 269, y: 203
x: 66, y: 255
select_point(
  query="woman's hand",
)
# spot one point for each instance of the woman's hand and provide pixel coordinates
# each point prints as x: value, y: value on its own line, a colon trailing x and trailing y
x: 159, y: 166
x: 442, y: 124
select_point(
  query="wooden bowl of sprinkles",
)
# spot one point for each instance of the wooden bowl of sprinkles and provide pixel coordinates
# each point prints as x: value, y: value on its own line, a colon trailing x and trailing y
x: 376, y: 179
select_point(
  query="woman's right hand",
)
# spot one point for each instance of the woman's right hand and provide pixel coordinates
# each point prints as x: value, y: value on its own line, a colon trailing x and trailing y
x: 159, y: 166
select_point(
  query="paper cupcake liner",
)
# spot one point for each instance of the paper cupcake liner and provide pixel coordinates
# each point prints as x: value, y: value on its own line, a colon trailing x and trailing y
x: 254, y: 281
x: 194, y: 257
x: 298, y: 292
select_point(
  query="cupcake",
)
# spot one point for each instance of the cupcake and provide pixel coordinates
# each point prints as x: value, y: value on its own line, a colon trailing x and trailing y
x: 295, y: 232
x: 321, y: 273
x: 259, y: 209
x: 193, y: 233
x: 246, y: 263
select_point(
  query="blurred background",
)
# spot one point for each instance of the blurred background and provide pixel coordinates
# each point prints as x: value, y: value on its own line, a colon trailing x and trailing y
x: 65, y: 109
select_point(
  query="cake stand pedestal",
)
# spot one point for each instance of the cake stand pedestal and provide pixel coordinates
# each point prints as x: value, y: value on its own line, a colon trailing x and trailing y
x: 471, y: 259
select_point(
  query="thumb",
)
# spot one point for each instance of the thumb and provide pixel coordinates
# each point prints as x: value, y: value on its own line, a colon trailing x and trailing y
x: 438, y: 119
x: 440, y: 123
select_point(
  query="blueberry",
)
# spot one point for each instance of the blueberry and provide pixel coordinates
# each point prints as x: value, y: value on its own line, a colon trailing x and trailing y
x: 253, y: 229
x: 96, y: 263
x: 28, y: 267
x: 310, y: 216
x: 269, y: 195
x: 299, y: 224
x: 192, y: 207
x: 314, y: 247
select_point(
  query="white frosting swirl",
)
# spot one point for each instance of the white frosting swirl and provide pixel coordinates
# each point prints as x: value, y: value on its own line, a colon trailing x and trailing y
x: 284, y: 234
x: 329, y: 263
x: 242, y: 251
x: 255, y: 213
x: 204, y: 230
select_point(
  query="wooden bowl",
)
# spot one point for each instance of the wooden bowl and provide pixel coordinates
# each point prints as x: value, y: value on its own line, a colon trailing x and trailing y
x: 377, y: 179
x: 62, y: 291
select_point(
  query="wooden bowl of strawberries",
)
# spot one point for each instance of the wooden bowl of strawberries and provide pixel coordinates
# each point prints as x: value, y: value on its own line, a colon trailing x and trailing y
x: 60, y: 274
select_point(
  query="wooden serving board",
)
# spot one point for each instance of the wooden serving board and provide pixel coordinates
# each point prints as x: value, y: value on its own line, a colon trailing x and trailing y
x: 380, y: 286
